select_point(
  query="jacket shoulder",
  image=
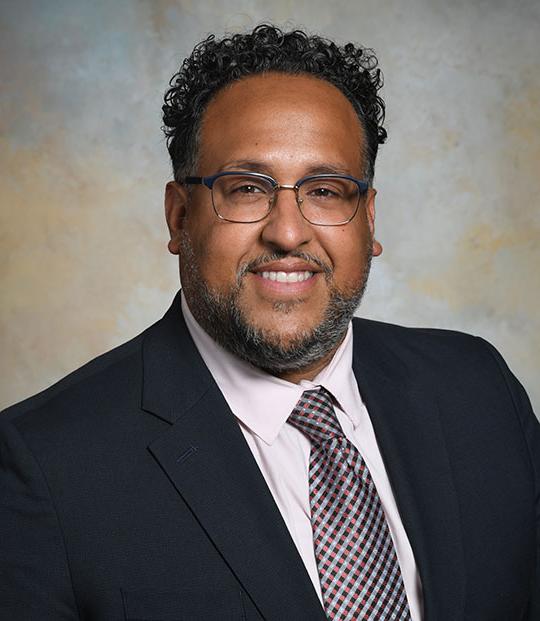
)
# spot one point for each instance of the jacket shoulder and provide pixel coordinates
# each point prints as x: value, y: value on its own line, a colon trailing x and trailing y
x: 93, y: 376
x: 429, y: 352
x: 417, y: 338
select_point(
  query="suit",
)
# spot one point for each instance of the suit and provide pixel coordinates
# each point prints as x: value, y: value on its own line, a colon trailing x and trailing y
x: 129, y: 492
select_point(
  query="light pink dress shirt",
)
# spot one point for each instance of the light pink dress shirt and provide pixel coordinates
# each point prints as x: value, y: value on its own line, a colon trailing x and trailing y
x: 262, y: 403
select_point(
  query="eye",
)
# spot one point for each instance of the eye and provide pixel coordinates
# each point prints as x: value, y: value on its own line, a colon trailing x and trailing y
x: 323, y: 192
x: 248, y: 189
x: 327, y: 189
x: 242, y: 187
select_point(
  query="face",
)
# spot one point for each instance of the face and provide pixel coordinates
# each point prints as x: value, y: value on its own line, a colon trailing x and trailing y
x: 287, y: 127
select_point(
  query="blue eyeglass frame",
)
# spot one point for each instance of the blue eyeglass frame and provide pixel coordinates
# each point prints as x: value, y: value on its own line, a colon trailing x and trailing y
x: 209, y: 181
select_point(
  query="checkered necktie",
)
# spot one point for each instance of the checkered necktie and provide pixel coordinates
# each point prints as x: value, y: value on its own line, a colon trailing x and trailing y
x: 358, y: 566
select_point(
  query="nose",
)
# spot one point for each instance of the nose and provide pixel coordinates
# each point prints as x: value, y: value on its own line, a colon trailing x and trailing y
x: 285, y: 228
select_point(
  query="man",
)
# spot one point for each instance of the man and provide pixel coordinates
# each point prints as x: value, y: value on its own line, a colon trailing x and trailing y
x: 254, y: 454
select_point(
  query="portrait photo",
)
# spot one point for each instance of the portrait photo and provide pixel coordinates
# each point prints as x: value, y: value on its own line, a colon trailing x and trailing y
x: 270, y: 314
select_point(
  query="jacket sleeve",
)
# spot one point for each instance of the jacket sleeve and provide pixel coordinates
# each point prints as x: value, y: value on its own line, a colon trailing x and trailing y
x: 531, y: 431
x: 35, y: 582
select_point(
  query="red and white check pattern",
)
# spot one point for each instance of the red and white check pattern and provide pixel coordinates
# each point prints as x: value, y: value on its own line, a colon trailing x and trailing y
x: 357, y: 562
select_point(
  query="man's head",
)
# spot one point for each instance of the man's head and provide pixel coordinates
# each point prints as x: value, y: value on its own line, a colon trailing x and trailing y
x: 278, y: 290
x: 214, y: 64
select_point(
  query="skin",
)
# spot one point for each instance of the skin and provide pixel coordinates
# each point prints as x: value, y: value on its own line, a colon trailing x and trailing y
x: 288, y: 127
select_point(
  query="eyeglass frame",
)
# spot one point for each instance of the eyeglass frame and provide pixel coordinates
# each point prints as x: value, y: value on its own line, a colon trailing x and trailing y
x: 209, y: 180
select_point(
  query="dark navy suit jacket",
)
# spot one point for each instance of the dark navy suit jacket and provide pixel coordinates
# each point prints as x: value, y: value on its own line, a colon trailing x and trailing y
x: 129, y: 492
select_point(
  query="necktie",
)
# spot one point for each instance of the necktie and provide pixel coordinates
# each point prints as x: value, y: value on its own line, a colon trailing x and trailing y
x: 358, y: 567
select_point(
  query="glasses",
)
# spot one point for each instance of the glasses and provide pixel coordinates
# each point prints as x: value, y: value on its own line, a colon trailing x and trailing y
x: 246, y: 197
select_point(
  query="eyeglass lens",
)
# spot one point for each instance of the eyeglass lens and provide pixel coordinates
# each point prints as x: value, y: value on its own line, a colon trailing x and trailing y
x: 322, y: 200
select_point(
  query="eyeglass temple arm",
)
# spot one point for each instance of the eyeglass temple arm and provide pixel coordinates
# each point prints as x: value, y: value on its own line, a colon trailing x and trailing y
x: 193, y: 180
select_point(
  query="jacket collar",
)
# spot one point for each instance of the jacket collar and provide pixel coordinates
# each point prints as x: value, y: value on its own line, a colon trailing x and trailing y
x: 174, y: 375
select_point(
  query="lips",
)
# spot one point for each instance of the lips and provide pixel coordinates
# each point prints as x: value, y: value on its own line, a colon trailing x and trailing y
x: 287, y: 265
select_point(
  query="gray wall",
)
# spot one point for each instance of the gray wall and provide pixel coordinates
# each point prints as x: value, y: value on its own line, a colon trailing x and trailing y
x: 84, y: 264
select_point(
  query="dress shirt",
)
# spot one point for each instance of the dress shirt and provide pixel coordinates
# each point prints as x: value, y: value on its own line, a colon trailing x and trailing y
x: 262, y: 403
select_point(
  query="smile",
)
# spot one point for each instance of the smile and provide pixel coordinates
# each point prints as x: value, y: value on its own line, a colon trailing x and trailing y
x: 287, y: 276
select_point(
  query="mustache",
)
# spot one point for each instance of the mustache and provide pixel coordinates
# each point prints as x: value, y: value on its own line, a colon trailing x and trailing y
x: 276, y: 256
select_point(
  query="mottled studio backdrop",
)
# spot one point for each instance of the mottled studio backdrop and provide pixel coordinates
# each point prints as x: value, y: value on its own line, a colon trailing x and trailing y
x: 84, y: 264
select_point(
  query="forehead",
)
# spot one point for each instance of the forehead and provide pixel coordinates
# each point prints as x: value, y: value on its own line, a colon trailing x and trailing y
x: 289, y: 114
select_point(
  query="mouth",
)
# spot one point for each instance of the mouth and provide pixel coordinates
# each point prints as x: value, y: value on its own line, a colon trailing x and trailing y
x: 287, y: 277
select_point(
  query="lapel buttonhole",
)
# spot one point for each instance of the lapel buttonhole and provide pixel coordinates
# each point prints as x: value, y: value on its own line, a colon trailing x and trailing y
x: 186, y: 454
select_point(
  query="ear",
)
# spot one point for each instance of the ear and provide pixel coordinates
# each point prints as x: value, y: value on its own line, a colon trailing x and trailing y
x: 370, y: 211
x: 176, y: 201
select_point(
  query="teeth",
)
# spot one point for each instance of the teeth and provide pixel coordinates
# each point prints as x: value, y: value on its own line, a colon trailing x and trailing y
x: 293, y: 277
x: 287, y: 276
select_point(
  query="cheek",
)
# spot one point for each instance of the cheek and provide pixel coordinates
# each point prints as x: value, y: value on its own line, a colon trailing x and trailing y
x: 347, y: 249
x: 346, y: 246
x: 221, y: 248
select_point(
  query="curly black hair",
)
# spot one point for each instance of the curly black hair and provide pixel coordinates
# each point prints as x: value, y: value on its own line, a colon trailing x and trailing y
x: 214, y: 63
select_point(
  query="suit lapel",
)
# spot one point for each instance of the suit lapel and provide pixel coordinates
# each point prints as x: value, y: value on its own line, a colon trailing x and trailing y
x: 405, y: 418
x: 208, y: 461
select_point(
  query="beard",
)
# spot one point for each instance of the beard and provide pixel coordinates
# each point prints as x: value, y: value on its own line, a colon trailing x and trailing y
x: 221, y: 316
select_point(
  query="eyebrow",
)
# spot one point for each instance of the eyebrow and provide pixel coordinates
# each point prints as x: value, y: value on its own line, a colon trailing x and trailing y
x: 262, y: 167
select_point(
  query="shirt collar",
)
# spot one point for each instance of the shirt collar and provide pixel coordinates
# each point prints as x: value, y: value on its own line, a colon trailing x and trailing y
x: 263, y: 402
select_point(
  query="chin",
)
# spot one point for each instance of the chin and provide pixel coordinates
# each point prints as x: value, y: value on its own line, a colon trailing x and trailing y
x: 284, y: 327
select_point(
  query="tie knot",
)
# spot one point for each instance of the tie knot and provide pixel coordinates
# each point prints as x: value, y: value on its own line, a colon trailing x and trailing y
x: 315, y: 417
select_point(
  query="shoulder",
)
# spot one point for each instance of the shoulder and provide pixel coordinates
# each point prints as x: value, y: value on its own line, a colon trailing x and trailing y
x: 462, y: 363
x: 429, y: 346
x: 461, y: 368
x: 368, y: 328
x: 471, y: 382
x: 104, y: 397
x: 107, y: 377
